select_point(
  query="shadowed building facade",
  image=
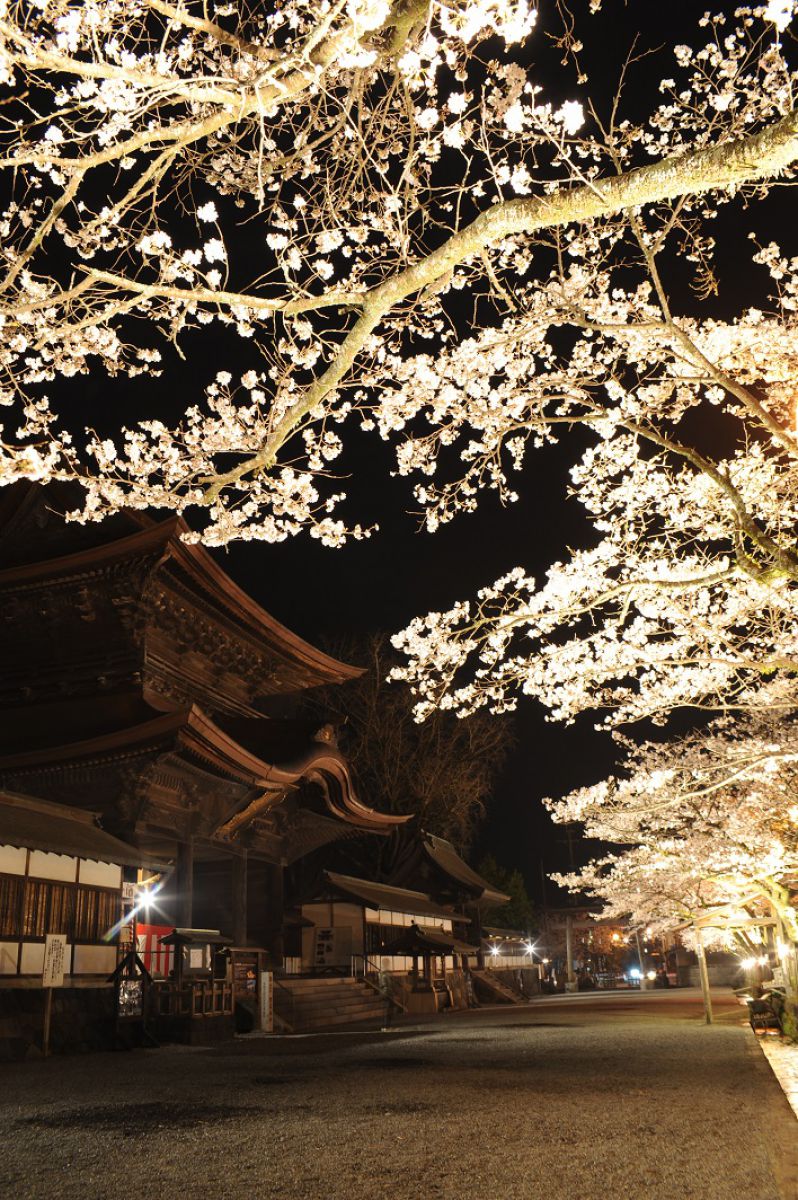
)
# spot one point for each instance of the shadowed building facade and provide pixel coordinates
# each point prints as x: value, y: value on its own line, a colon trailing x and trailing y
x: 141, y: 684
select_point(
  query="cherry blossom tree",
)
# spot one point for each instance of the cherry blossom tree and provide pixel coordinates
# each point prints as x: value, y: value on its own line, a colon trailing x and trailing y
x: 415, y: 232
x: 708, y: 830
x: 330, y: 181
x: 706, y: 821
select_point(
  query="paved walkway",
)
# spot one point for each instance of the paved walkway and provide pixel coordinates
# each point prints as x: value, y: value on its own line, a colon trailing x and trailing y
x: 585, y: 1098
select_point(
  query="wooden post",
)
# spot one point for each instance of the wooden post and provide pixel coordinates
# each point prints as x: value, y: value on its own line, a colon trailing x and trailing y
x: 704, y: 974
x: 48, y: 1013
x: 274, y: 914
x: 185, y: 882
x: 239, y: 898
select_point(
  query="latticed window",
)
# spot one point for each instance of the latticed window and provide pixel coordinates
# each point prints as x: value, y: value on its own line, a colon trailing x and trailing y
x: 10, y: 900
x: 95, y: 913
x: 83, y: 914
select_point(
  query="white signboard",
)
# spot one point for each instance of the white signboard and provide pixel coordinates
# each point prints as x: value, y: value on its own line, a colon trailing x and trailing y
x: 333, y: 947
x: 266, y: 1002
x: 55, y: 946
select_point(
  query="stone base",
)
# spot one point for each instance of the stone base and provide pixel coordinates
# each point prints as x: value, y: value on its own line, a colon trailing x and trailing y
x: 82, y: 1020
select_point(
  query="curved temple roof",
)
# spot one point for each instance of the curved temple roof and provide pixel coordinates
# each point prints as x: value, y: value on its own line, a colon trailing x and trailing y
x: 164, y: 539
x: 390, y: 898
x: 192, y: 732
x: 444, y: 855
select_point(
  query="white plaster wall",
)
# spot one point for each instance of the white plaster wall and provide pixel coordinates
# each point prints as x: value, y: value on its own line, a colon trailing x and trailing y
x: 32, y: 958
x: 44, y: 865
x: 94, y: 960
x: 12, y: 860
x: 8, y: 958
x: 101, y: 874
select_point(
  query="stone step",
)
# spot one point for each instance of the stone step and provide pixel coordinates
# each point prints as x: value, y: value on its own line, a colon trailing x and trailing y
x: 310, y: 1004
x: 324, y: 984
x: 498, y: 989
x: 303, y: 1023
x: 350, y: 1004
x: 318, y: 991
x: 342, y: 1009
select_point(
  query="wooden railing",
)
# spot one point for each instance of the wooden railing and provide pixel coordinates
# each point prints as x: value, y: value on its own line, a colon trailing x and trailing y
x: 192, y: 998
x: 365, y: 969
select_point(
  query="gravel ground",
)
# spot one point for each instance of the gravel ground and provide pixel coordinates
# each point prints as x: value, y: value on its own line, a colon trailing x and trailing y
x: 586, y: 1098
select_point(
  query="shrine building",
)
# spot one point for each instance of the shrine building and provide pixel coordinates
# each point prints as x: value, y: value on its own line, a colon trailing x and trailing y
x: 143, y: 687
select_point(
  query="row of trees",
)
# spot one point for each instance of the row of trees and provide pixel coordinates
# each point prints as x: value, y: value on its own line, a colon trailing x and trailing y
x: 416, y: 232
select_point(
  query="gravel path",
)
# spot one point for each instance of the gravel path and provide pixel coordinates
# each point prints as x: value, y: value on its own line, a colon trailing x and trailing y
x: 586, y: 1098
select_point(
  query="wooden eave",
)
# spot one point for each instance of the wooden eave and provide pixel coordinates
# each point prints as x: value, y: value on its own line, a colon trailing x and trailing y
x: 193, y: 732
x: 146, y: 541
x: 120, y: 743
x: 61, y: 829
x: 196, y: 562
x: 446, y: 858
x: 228, y: 599
x: 389, y: 898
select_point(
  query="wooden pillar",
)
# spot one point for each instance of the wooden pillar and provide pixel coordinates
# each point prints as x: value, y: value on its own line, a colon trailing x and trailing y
x: 185, y: 883
x: 476, y: 925
x: 239, y: 898
x: 274, y: 913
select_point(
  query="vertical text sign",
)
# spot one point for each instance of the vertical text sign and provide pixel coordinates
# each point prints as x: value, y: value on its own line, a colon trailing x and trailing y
x: 267, y: 1001
x: 54, y: 960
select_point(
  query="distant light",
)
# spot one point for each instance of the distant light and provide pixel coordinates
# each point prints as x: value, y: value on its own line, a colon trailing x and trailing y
x: 635, y: 973
x: 651, y: 975
x: 530, y: 949
x: 764, y: 961
x: 748, y: 964
x: 494, y: 950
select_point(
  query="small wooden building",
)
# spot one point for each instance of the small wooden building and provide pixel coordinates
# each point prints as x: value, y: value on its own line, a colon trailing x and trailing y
x: 419, y: 933
x: 60, y: 873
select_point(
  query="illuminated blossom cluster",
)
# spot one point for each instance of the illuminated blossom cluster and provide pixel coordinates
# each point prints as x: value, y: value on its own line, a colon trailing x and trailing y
x: 705, y: 821
x: 378, y: 162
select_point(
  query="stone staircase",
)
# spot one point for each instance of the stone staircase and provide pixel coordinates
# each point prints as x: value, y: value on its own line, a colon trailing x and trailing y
x: 492, y: 990
x: 305, y: 1005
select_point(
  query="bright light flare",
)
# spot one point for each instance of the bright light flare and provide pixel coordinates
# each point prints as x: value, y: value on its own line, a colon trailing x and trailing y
x: 146, y: 897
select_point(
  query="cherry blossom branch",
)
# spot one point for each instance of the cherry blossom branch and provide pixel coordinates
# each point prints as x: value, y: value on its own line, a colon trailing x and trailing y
x: 731, y: 164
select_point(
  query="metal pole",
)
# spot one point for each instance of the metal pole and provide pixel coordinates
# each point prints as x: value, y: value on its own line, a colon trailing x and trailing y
x: 704, y: 974
x: 570, y: 977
